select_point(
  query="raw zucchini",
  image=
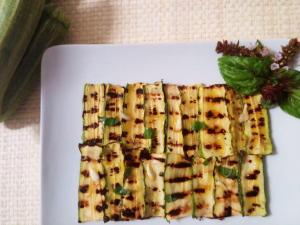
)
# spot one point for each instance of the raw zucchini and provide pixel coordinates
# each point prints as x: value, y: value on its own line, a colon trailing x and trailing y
x: 174, y: 140
x: 154, y: 169
x: 189, y: 115
x: 216, y: 139
x: 113, y: 162
x: 93, y: 108
x: 113, y: 113
x: 18, y: 22
x: 155, y: 115
x: 91, y: 203
x: 252, y: 178
x: 227, y: 201
x: 51, y: 29
x: 133, y: 119
x: 178, y: 187
x: 257, y: 126
x: 203, y: 187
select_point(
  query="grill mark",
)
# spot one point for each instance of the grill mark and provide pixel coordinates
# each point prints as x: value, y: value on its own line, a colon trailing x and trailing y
x: 94, y: 95
x: 100, y: 208
x: 125, y: 105
x: 116, y: 169
x: 179, y: 165
x: 174, y: 97
x: 199, y: 190
x: 175, y: 144
x: 232, y: 162
x: 84, y: 98
x: 186, y: 131
x: 253, y: 193
x: 253, y: 176
x: 145, y: 154
x: 124, y: 134
x: 216, y: 130
x: 130, y: 197
x: 84, y: 188
x: 113, y: 95
x: 179, y: 195
x: 155, y: 189
x: 85, y: 173
x: 138, y: 121
x: 210, y: 115
x: 93, y: 126
x: 129, y: 213
x: 83, y: 204
x: 139, y: 106
x: 139, y: 136
x: 139, y: 91
x: 85, y: 158
x: 101, y: 175
x: 114, y: 136
x: 217, y: 99
x: 159, y: 159
x: 91, y: 142
x: 178, y: 179
x: 133, y: 164
x: 189, y: 147
x: 101, y: 191
x: 200, y: 175
x: 92, y: 110
x: 227, y: 211
x: 115, y: 217
x: 112, y: 109
x: 185, y: 117
x: 175, y: 212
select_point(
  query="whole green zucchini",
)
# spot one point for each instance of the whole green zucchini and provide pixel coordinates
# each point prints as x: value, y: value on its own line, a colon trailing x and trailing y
x: 51, y: 29
x: 18, y: 21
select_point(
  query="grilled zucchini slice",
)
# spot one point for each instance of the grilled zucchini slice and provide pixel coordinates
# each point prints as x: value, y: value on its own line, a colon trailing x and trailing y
x: 252, y: 178
x: 203, y: 187
x: 174, y: 140
x: 189, y: 112
x: 113, y: 162
x: 235, y: 110
x: 133, y: 120
x: 226, y: 188
x: 93, y: 108
x: 91, y: 185
x: 257, y: 127
x: 216, y: 138
x: 178, y: 187
x: 113, y: 112
x: 154, y: 168
x: 133, y: 205
x: 155, y: 115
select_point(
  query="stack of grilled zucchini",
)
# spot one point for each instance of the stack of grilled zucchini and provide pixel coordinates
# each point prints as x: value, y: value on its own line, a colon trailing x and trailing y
x: 164, y: 150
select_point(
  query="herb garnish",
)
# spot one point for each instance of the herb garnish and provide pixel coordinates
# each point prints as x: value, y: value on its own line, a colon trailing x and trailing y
x: 207, y: 161
x: 170, y: 198
x: 149, y: 133
x: 197, y: 125
x: 228, y: 172
x: 259, y: 70
x: 109, y: 121
x: 120, y: 190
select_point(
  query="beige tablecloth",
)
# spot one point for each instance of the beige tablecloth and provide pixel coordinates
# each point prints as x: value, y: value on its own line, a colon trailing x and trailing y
x: 128, y: 21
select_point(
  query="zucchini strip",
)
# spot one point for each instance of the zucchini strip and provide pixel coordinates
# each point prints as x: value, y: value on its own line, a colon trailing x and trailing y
x: 133, y: 205
x: 178, y: 187
x: 216, y: 138
x: 189, y: 116
x: 113, y: 111
x: 257, y: 127
x: 174, y: 140
x: 155, y: 115
x: 113, y: 162
x: 154, y: 168
x: 133, y: 119
x: 203, y: 187
x: 253, y: 186
x: 227, y: 201
x: 91, y: 185
x: 93, y: 107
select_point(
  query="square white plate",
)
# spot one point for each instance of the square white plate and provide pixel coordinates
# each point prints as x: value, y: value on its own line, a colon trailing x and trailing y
x: 65, y: 70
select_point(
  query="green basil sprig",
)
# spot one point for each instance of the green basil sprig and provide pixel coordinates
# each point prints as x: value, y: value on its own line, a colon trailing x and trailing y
x: 228, y: 172
x: 291, y: 104
x: 246, y: 75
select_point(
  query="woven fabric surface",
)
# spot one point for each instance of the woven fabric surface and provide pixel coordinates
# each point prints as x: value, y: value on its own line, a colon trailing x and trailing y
x: 127, y: 21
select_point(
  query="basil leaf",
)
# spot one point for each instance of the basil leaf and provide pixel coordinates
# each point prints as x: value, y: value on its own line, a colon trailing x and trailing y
x: 227, y: 172
x: 170, y: 198
x: 120, y: 190
x: 148, y: 133
x: 109, y: 121
x: 207, y: 161
x: 291, y: 104
x: 196, y: 126
x: 293, y: 77
x: 245, y: 74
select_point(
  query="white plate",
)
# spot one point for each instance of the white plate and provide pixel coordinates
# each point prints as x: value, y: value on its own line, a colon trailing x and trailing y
x: 65, y: 69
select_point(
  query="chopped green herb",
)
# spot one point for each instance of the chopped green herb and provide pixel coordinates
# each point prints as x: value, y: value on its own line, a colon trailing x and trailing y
x: 227, y: 172
x: 198, y: 126
x: 120, y: 190
x: 149, y: 133
x: 108, y: 121
x: 170, y: 198
x: 207, y: 161
x: 127, y: 172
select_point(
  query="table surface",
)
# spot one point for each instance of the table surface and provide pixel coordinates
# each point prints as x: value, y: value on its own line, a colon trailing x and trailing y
x: 128, y: 21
